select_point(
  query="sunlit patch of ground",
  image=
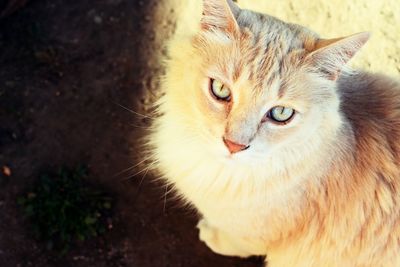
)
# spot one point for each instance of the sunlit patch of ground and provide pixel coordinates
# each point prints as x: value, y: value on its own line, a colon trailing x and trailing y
x: 330, y: 19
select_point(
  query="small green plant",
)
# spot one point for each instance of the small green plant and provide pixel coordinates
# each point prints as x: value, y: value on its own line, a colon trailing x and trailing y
x: 64, y: 208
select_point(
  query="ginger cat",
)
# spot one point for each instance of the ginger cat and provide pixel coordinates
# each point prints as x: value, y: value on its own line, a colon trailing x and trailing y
x: 283, y: 149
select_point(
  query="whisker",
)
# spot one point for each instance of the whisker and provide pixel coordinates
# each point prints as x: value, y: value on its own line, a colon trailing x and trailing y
x: 132, y: 167
x: 141, y: 171
x: 145, y: 173
x: 141, y: 127
x: 165, y: 198
x: 141, y: 181
x: 133, y: 175
x: 134, y: 112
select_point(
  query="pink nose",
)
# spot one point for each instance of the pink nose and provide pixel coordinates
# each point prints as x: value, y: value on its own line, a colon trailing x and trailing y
x: 234, y: 147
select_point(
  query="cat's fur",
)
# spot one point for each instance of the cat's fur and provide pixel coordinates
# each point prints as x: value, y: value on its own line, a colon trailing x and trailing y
x: 321, y: 191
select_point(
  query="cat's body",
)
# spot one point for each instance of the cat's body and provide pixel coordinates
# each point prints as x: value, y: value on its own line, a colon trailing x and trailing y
x: 320, y: 189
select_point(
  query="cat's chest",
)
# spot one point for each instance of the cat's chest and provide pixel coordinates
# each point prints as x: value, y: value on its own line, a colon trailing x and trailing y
x: 239, y: 211
x: 232, y: 197
x: 237, y: 215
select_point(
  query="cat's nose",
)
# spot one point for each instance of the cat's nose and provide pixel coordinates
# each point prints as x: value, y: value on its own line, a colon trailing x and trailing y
x: 234, y: 147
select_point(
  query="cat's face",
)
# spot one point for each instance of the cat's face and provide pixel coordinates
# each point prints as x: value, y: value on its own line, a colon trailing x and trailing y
x: 273, y: 101
x: 249, y: 80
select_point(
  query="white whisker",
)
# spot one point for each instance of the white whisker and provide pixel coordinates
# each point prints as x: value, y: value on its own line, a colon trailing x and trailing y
x: 141, y: 171
x: 145, y: 173
x: 134, y: 112
x: 141, y: 127
x: 132, y: 167
x: 165, y: 198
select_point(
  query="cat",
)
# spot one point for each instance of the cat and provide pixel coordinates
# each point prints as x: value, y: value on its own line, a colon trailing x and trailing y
x: 285, y: 151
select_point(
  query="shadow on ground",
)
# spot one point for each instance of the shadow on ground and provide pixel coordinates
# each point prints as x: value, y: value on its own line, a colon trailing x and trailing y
x: 64, y: 68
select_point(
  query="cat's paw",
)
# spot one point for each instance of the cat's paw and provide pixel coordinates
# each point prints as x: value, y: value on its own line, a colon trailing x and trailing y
x: 219, y: 242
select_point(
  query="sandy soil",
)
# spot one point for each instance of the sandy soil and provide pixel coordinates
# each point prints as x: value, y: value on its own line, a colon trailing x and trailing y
x: 337, y: 18
x: 331, y: 19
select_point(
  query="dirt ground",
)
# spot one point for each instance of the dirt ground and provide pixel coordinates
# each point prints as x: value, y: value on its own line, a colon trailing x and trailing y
x: 330, y: 19
x: 64, y: 68
x: 337, y: 18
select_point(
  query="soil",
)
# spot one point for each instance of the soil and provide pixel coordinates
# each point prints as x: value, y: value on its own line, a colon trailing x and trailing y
x: 66, y: 68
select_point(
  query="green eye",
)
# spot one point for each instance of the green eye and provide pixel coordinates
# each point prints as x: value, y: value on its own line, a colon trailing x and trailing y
x: 280, y: 114
x: 220, y: 91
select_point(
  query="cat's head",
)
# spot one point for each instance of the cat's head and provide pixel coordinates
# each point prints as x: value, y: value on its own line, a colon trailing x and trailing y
x: 247, y: 88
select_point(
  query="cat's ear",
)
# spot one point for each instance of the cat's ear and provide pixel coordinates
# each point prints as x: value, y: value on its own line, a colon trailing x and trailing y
x: 219, y: 15
x: 331, y: 55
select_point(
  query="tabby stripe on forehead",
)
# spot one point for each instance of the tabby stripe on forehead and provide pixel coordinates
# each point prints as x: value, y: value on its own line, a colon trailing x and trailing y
x: 246, y: 38
x: 264, y: 57
x: 266, y: 68
x: 282, y: 87
x: 256, y: 53
x: 238, y: 69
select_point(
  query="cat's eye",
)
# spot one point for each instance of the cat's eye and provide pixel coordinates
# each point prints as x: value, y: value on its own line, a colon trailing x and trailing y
x: 280, y: 114
x: 219, y: 90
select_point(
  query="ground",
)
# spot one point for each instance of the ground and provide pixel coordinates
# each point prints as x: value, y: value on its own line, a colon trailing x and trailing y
x: 66, y: 68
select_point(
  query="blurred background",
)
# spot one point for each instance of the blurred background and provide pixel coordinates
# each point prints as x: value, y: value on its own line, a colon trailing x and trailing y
x: 77, y: 80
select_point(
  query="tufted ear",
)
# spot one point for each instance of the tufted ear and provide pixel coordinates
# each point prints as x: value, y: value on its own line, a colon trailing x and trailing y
x: 331, y: 55
x: 219, y: 15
